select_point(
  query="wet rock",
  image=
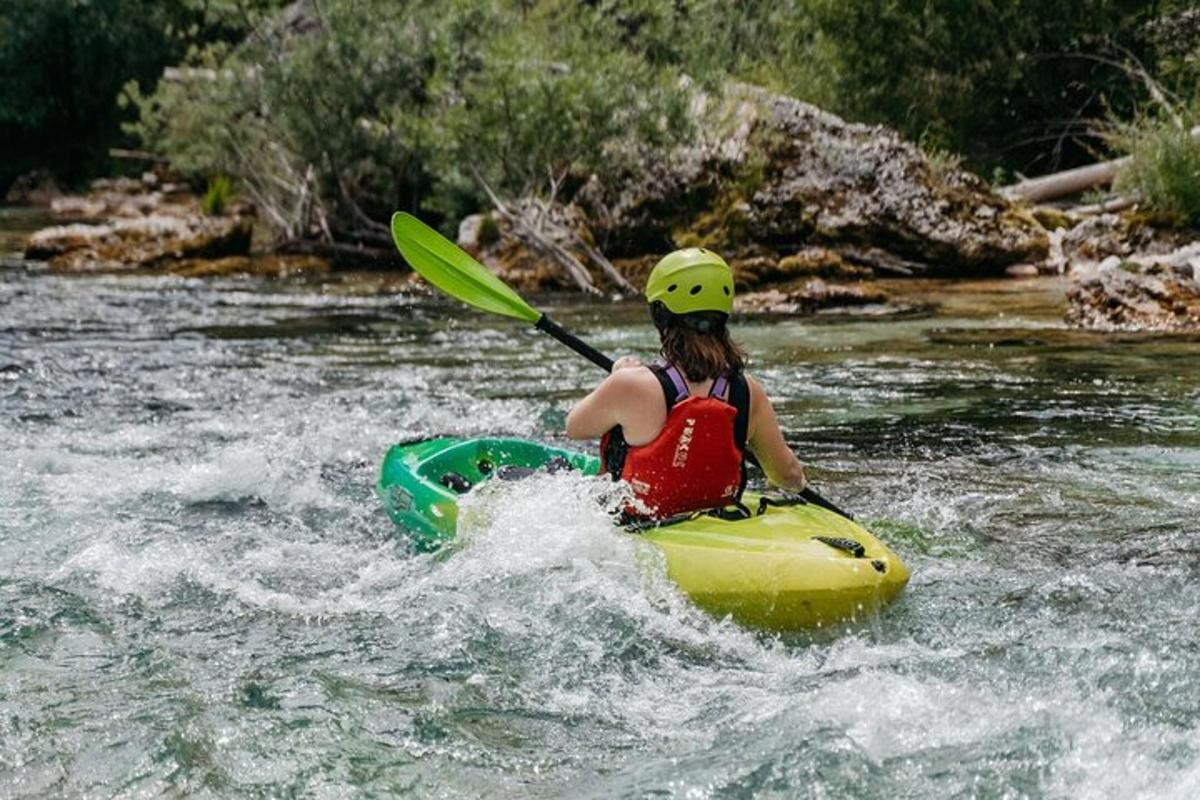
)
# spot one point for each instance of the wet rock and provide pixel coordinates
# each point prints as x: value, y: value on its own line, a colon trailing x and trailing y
x: 1163, y: 295
x: 272, y: 265
x: 808, y: 296
x: 781, y: 174
x: 134, y: 243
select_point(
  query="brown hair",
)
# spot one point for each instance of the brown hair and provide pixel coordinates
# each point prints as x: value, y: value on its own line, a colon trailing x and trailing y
x: 701, y: 355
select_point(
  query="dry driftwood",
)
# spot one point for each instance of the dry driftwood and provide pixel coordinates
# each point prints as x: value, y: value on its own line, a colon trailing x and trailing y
x: 530, y: 235
x: 1108, y: 206
x: 1071, y: 181
x: 531, y: 232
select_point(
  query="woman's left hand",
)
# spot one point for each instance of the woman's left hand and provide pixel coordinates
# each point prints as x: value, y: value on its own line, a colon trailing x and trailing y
x: 625, y: 362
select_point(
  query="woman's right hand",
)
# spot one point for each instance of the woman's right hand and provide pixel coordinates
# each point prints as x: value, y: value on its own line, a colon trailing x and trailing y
x: 625, y: 362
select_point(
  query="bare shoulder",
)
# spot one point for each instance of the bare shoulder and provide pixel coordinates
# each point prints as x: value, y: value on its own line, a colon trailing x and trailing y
x: 635, y: 381
x: 756, y: 389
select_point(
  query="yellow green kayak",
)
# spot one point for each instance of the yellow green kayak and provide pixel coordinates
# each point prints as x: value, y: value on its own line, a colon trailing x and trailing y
x: 788, y: 566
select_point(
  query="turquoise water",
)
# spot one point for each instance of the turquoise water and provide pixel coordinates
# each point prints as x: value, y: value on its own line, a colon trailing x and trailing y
x: 201, y: 595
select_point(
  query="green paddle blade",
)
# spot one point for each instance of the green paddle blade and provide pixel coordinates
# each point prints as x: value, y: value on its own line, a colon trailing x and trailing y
x: 447, y: 267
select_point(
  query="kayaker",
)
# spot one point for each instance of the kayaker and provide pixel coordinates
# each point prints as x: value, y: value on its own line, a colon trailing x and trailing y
x: 676, y: 430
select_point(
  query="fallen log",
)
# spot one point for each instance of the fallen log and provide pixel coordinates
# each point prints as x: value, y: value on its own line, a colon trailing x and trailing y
x: 1071, y: 181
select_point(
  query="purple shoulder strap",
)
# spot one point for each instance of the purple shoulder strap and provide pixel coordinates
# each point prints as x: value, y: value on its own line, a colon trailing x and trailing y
x: 720, y: 387
x: 675, y: 388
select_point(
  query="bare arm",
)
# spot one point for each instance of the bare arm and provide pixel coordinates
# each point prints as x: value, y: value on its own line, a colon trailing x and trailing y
x: 778, y: 461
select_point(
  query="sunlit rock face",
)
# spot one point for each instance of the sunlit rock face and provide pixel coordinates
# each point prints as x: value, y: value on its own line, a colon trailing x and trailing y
x: 144, y: 241
x: 773, y: 174
x: 771, y: 182
x: 128, y: 224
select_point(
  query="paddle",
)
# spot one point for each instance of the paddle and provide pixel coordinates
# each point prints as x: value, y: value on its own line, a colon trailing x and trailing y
x: 448, y: 267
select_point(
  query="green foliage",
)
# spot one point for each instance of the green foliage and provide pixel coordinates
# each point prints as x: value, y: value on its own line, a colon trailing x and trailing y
x: 1016, y: 83
x: 63, y: 62
x: 556, y: 97
x: 1163, y: 169
x: 216, y: 198
x: 410, y: 105
x: 373, y: 105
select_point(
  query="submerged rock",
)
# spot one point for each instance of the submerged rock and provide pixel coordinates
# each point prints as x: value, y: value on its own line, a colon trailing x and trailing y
x: 1163, y: 295
x: 267, y: 264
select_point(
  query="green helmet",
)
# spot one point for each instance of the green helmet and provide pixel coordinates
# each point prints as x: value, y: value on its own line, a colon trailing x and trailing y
x: 693, y: 279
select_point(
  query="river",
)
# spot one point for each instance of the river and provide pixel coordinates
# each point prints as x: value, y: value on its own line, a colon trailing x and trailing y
x: 200, y: 595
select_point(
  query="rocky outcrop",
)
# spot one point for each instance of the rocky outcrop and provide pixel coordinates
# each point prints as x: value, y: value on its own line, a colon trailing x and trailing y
x: 140, y: 242
x: 125, y: 198
x: 785, y: 192
x: 776, y: 175
x: 127, y: 224
x: 1149, y: 294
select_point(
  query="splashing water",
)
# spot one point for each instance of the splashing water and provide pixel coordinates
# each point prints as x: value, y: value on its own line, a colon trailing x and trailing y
x: 202, y: 596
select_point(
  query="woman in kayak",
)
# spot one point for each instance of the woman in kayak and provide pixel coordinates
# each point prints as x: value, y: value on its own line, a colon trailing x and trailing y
x: 676, y: 431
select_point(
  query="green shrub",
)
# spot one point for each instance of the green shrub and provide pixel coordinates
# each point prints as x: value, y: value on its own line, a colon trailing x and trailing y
x: 64, y: 62
x: 216, y: 199
x: 1163, y: 168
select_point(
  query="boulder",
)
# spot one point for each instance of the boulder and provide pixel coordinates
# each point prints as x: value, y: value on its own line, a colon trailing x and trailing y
x: 775, y: 174
x: 1162, y: 295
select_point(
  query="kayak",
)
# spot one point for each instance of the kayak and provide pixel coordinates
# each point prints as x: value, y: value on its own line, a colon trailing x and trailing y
x: 786, y: 567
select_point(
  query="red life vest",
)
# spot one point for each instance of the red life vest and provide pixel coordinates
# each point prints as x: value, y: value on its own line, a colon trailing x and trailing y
x: 696, y: 460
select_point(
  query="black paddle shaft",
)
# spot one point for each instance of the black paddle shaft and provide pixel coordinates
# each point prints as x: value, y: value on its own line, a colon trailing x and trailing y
x: 572, y: 341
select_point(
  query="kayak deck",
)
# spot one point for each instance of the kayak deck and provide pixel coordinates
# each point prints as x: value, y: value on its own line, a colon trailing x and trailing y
x: 786, y: 568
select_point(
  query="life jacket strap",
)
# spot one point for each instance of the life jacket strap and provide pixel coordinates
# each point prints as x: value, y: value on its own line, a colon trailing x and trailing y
x: 729, y: 387
x: 671, y: 379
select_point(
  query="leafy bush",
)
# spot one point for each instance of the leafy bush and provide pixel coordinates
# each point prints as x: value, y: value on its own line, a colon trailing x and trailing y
x: 408, y: 105
x: 1164, y: 169
x: 63, y: 63
x: 489, y: 230
x: 373, y: 105
x: 1013, y: 83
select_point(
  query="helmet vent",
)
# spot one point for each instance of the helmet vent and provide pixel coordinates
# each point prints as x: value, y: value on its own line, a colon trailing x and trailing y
x: 695, y: 289
x: 672, y: 287
x: 725, y: 289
